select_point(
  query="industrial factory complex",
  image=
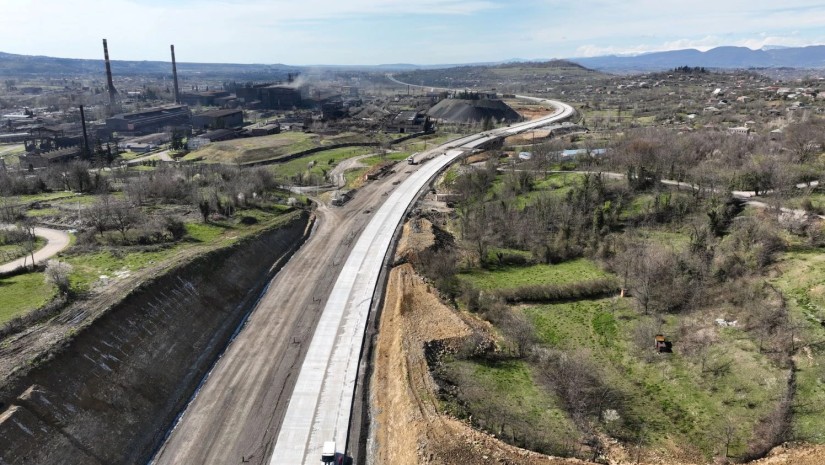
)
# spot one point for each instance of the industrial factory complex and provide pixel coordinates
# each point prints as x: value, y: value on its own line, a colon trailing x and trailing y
x: 128, y: 117
x: 100, y: 116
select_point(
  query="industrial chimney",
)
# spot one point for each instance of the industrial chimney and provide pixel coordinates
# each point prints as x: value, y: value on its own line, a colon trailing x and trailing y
x: 110, y: 83
x: 175, y: 76
x: 87, y: 153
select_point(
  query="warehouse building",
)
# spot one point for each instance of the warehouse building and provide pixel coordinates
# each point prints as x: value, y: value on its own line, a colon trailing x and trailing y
x: 150, y: 120
x: 218, y: 119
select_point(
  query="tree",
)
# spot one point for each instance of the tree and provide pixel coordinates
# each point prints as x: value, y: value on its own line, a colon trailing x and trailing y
x: 487, y: 123
x: 729, y: 435
x: 660, y: 279
x: 78, y: 177
x: 27, y: 225
x: 100, y: 215
x: 804, y: 139
x: 205, y: 208
x: 124, y: 215
x: 177, y: 140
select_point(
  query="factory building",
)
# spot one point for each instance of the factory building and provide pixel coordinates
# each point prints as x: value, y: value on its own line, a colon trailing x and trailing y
x: 150, y: 120
x: 270, y: 97
x: 210, y: 98
x: 409, y: 122
x: 218, y: 119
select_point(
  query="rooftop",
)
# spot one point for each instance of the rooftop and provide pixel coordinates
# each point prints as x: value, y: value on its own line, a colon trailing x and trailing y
x: 219, y: 113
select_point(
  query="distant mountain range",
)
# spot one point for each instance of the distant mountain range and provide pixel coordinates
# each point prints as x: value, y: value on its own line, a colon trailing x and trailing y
x: 27, y: 65
x: 720, y: 57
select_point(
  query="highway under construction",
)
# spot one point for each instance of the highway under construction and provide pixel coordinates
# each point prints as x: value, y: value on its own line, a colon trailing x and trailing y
x: 286, y: 384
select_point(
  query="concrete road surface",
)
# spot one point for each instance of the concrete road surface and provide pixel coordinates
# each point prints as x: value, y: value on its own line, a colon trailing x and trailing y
x: 56, y: 241
x: 321, y: 404
x: 237, y: 413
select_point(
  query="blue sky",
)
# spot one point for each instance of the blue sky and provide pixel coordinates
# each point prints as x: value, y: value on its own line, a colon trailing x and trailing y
x: 303, y: 32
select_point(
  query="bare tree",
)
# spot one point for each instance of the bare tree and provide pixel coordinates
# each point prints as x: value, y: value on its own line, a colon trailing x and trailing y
x: 100, y: 214
x: 124, y: 216
x: 30, y: 245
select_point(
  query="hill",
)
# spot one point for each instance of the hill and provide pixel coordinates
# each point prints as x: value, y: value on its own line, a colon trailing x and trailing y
x: 26, y: 65
x: 505, y: 78
x: 720, y: 57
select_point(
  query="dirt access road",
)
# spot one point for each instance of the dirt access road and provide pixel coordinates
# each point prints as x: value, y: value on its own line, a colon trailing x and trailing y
x: 56, y: 241
x: 236, y: 415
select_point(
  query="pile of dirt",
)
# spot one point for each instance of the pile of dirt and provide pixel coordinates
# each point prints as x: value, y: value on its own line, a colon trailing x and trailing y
x: 406, y: 425
x: 796, y: 454
x: 473, y: 111
x: 417, y: 235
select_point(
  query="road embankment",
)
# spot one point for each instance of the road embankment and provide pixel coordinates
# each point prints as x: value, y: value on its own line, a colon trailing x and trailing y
x: 109, y: 395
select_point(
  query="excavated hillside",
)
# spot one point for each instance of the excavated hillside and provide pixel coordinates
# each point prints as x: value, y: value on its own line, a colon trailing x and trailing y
x: 406, y: 423
x: 473, y: 111
x: 108, y: 395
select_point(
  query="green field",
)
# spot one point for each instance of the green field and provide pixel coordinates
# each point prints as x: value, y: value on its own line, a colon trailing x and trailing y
x: 23, y: 293
x: 520, y: 404
x: 275, y: 146
x: 9, y: 252
x: 671, y: 395
x: 513, y: 277
x: 47, y: 197
x: 88, y: 268
x: 323, y: 162
x: 10, y: 153
x: 576, y: 324
x: 256, y: 148
x: 803, y: 283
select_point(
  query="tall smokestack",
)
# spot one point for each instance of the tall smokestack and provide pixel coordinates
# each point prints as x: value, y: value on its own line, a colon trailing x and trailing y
x: 86, y: 152
x: 175, y: 75
x: 110, y: 83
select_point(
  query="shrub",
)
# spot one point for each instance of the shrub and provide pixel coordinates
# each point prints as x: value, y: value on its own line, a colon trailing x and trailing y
x: 57, y: 273
x: 175, y: 227
x: 551, y: 292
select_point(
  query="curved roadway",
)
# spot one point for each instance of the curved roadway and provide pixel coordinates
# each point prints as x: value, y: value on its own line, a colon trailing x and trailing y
x: 56, y: 241
x: 319, y: 409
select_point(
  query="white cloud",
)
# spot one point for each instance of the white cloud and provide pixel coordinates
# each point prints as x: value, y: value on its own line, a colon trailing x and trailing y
x: 424, y: 31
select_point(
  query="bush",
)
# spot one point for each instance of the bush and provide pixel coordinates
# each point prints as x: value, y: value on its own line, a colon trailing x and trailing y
x: 57, y: 273
x: 551, y: 292
x: 752, y: 244
x: 580, y: 384
x: 175, y: 227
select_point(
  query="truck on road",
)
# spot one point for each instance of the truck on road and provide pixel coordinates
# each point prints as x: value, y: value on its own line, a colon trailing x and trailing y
x: 328, y: 452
